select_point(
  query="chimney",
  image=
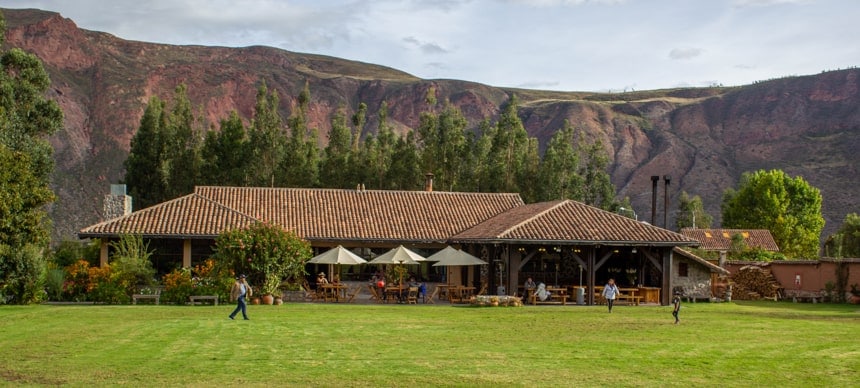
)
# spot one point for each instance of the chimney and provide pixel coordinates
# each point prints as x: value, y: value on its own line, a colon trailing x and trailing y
x: 666, y: 179
x: 428, y: 181
x: 117, y: 203
x: 654, y: 179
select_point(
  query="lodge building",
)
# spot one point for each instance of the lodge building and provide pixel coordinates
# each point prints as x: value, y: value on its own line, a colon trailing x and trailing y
x: 559, y: 242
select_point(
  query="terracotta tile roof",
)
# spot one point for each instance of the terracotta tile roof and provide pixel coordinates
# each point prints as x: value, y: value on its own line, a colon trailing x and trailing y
x: 317, y: 214
x: 721, y: 239
x: 569, y: 221
x: 707, y: 264
x: 191, y: 216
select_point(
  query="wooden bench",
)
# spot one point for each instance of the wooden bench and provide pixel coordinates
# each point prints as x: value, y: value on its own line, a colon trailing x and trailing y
x: 155, y: 296
x: 195, y: 298
x: 553, y: 299
x: 630, y: 299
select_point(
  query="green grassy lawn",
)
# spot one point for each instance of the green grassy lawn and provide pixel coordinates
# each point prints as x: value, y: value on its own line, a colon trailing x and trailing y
x: 734, y: 344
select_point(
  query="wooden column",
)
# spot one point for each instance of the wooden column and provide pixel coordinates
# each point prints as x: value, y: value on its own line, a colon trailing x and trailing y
x: 186, y: 253
x: 666, y: 293
x: 592, y: 254
x: 103, y: 252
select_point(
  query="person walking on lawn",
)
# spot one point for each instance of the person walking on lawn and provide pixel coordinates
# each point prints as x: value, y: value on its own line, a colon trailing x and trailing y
x: 240, y: 291
x: 610, y: 292
x: 676, y: 302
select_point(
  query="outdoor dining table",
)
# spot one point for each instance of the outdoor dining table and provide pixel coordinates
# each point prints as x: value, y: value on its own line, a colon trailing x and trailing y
x: 333, y: 292
x: 395, y: 292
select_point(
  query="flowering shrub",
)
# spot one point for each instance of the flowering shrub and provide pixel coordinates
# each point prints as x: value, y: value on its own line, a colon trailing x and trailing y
x: 210, y: 279
x: 265, y: 253
x: 177, y: 286
x: 77, y: 283
x: 102, y: 287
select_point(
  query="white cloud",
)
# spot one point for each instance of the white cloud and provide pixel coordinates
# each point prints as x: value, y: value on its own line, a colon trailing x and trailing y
x: 554, y: 44
x: 684, y: 53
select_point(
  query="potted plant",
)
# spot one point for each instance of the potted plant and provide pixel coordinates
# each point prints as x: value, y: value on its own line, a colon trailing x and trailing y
x: 270, y: 288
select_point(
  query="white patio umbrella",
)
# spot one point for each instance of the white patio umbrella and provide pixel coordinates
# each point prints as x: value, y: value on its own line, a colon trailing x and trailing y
x: 450, y: 256
x: 337, y: 255
x: 399, y: 255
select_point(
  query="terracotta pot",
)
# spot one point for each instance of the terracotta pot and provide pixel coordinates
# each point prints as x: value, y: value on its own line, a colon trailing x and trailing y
x: 255, y: 300
x: 268, y: 299
x: 278, y: 300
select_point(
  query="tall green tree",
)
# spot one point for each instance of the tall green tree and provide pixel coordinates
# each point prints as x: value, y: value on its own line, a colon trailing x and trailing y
x: 559, y: 171
x: 442, y: 140
x: 508, y: 151
x: 183, y: 140
x: 378, y: 161
x: 789, y: 207
x: 266, y: 137
x: 300, y: 165
x: 846, y: 241
x: 335, y: 165
x: 691, y: 213
x: 225, y: 154
x: 476, y: 169
x: 597, y: 189
x: 27, y: 118
x: 405, y: 172
x: 144, y: 168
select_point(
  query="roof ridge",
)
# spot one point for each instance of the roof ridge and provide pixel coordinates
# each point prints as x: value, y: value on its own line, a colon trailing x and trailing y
x: 533, y: 217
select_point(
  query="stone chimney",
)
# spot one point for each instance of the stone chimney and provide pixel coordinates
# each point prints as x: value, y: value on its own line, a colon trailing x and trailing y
x: 117, y: 203
x: 428, y: 181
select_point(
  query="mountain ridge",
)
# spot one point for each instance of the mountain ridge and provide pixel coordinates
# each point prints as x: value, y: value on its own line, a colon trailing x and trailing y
x: 705, y: 138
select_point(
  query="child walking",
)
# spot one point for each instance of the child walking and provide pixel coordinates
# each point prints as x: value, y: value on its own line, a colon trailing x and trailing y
x: 676, y: 302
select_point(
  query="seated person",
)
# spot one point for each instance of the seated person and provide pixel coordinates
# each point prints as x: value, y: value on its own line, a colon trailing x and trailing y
x: 541, y: 293
x: 413, y: 283
x: 528, y: 287
x: 335, y: 279
x: 321, y: 279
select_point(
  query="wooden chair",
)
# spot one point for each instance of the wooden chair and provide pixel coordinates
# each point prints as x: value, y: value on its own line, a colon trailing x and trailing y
x: 374, y: 293
x: 454, y: 295
x: 351, y: 296
x: 412, y: 295
x: 311, y: 294
x: 483, y: 290
x: 433, y: 295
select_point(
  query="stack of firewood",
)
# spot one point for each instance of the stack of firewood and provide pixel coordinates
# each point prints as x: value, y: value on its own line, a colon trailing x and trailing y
x: 752, y: 282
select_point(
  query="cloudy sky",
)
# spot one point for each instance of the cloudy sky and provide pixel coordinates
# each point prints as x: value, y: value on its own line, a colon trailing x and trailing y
x: 571, y: 45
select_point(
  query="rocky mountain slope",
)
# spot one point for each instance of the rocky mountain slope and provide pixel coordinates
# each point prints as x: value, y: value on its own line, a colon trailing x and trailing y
x: 703, y: 138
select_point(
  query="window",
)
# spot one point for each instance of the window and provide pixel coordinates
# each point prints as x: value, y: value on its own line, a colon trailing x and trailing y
x: 683, y: 270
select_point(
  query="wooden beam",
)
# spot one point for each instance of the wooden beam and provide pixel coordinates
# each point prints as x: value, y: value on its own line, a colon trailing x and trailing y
x: 603, y: 260
x: 653, y: 260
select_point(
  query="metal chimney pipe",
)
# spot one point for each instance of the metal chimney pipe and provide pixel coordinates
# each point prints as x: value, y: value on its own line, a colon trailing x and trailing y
x: 667, y: 179
x: 654, y: 179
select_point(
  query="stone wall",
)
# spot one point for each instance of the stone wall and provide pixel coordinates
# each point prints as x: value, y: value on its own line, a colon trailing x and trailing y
x: 697, y: 283
x: 116, y: 206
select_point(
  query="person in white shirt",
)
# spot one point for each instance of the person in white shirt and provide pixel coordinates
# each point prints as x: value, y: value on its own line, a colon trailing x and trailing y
x: 610, y: 292
x: 240, y: 291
